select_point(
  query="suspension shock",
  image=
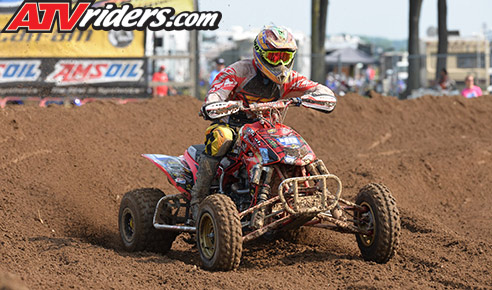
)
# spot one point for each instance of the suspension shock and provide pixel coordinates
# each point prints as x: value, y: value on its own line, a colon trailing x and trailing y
x: 261, y: 179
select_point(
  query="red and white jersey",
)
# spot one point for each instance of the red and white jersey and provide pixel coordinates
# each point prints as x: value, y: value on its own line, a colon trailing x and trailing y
x: 242, y: 81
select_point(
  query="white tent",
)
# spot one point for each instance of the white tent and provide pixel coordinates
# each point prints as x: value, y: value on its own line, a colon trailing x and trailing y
x: 348, y: 56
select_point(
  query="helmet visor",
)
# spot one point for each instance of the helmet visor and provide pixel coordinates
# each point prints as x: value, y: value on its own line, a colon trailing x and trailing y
x: 278, y: 57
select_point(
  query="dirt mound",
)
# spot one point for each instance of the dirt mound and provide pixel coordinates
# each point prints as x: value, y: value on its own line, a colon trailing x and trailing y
x: 64, y: 170
x: 11, y: 282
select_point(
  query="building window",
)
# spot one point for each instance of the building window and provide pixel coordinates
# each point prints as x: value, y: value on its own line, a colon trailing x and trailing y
x: 470, y: 60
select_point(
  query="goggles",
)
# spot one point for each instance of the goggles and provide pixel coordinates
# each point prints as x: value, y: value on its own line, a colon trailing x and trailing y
x: 277, y: 57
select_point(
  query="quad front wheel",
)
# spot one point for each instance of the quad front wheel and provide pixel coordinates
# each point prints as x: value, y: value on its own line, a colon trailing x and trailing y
x: 380, y: 222
x: 135, y: 220
x: 219, y: 234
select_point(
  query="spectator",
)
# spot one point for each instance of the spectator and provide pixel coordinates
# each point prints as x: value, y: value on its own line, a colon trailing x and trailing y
x: 160, y: 76
x: 471, y: 90
x: 444, y: 81
x: 370, y: 74
x: 219, y: 65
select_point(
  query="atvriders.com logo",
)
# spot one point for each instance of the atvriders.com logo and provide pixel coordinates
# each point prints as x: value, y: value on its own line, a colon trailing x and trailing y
x: 40, y: 16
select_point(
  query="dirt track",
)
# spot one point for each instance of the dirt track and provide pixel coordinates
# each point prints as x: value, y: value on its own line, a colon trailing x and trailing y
x: 63, y: 172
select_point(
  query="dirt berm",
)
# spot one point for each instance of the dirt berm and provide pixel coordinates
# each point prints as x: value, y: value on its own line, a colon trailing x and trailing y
x: 63, y: 172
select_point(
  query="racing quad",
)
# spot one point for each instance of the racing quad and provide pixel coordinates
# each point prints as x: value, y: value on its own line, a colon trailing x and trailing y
x: 271, y: 182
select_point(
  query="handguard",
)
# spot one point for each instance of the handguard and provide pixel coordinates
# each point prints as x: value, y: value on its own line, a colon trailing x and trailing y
x: 322, y: 103
x: 217, y: 110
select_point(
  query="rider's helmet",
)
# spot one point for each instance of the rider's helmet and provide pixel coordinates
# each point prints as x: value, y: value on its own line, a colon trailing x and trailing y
x: 274, y: 51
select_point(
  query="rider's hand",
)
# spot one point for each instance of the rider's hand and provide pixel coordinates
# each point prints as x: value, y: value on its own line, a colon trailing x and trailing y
x: 203, y: 114
x: 217, y: 110
x: 297, y: 101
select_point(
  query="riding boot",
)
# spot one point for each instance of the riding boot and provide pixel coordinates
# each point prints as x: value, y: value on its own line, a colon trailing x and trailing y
x: 207, y: 168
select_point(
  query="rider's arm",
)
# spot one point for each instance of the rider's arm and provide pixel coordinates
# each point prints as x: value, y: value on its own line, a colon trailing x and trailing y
x: 229, y: 80
x: 300, y: 85
x: 223, y: 86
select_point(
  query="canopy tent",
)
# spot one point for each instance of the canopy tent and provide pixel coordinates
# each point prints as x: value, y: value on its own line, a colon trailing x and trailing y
x: 348, y: 56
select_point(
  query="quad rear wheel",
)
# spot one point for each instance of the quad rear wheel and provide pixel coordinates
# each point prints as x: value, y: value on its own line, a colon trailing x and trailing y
x: 381, y: 222
x: 219, y: 234
x: 135, y: 221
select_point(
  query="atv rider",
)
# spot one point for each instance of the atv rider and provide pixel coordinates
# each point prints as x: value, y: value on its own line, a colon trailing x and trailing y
x: 265, y: 78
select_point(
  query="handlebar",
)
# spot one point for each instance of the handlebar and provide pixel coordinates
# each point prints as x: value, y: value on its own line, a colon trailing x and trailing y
x: 217, y: 110
x: 280, y: 104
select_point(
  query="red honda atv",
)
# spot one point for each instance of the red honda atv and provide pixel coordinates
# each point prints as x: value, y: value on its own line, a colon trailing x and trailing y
x: 270, y: 182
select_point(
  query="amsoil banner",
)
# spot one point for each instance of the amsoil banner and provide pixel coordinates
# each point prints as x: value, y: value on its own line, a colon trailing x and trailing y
x: 78, y: 64
x: 73, y: 78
